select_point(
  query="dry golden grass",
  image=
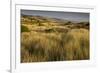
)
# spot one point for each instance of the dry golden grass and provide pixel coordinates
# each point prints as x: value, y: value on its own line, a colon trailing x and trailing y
x: 77, y: 44
x: 55, y: 46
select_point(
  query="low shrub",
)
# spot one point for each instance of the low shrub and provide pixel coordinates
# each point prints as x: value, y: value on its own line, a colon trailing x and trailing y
x: 24, y: 29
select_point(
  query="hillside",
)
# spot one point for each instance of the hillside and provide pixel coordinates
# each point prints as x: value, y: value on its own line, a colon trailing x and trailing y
x: 46, y: 39
x: 41, y: 23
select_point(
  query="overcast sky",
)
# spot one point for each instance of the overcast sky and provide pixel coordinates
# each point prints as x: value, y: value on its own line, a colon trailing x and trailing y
x: 71, y: 16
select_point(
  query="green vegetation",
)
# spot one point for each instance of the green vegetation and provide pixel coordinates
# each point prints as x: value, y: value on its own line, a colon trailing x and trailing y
x: 68, y: 23
x: 24, y: 29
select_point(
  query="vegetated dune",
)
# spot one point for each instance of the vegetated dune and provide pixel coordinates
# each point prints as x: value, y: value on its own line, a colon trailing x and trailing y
x: 53, y: 41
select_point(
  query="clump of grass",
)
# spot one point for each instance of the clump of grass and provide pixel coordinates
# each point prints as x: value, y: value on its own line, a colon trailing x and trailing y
x: 77, y: 44
x: 55, y: 52
x: 24, y: 29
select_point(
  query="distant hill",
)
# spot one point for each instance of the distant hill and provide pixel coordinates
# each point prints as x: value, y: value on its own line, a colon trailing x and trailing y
x: 42, y: 19
x: 47, y: 21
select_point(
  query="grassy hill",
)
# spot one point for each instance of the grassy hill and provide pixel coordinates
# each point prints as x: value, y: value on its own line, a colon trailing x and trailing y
x: 52, y: 39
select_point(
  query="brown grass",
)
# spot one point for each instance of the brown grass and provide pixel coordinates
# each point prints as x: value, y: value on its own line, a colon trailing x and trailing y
x: 55, y: 46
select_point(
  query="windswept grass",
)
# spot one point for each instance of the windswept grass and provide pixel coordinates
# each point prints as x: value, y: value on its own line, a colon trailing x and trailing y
x: 37, y: 46
x: 77, y: 44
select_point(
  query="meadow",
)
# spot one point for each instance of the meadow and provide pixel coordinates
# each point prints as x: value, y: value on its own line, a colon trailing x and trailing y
x: 46, y: 39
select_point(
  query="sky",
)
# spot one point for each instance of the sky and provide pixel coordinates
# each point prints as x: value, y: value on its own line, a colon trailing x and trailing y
x: 71, y: 16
